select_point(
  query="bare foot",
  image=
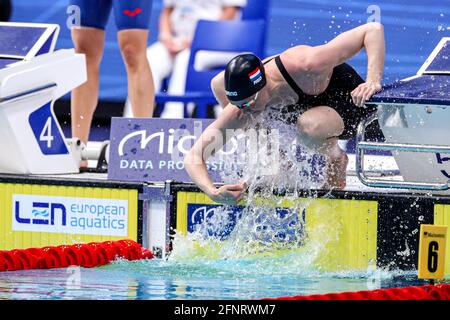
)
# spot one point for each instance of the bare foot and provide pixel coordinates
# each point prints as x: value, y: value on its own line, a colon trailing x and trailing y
x: 337, y: 173
x: 83, y: 164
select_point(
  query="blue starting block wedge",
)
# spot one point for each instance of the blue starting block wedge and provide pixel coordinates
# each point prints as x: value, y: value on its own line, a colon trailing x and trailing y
x: 32, y: 77
x: 439, y: 60
x: 24, y: 41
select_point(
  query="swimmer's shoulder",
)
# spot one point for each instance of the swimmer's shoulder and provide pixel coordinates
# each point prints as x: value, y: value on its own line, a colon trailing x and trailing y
x: 299, y: 60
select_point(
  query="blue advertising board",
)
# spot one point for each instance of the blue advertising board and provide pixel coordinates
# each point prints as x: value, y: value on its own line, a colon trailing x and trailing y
x: 154, y: 149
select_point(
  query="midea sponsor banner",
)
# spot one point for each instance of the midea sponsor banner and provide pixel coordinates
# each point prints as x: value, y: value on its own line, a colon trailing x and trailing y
x: 70, y: 215
x: 154, y: 149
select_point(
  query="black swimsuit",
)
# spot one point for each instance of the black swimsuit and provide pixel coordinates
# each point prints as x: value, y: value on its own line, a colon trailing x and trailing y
x: 337, y: 96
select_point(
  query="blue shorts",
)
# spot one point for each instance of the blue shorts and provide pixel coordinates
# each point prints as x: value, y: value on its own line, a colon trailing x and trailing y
x: 128, y: 14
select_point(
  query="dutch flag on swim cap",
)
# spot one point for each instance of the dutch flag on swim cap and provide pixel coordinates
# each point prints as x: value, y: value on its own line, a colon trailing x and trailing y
x: 244, y: 77
x: 255, y: 75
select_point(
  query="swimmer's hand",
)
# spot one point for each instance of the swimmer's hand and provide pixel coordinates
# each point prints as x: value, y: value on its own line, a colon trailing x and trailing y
x: 364, y: 92
x: 229, y: 193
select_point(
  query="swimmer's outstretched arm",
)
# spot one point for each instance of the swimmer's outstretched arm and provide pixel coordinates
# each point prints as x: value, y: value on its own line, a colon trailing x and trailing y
x: 370, y: 37
x: 324, y: 58
x: 213, y: 139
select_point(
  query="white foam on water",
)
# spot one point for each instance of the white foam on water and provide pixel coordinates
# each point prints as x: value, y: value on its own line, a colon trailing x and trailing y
x: 273, y: 242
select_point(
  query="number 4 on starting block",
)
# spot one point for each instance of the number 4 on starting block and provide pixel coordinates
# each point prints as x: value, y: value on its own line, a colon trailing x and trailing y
x: 432, y: 251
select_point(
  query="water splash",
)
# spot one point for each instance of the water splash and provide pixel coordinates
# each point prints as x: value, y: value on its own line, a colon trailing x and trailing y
x: 269, y: 232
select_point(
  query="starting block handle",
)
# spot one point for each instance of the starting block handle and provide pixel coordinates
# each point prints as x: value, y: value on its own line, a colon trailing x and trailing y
x: 362, y: 145
x: 27, y: 93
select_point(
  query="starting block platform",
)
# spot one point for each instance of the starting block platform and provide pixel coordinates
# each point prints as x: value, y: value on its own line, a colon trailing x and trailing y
x: 32, y: 77
x: 414, y: 114
x: 146, y: 195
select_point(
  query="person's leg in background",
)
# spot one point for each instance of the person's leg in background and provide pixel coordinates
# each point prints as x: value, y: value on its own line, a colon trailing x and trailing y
x: 88, y: 39
x: 141, y: 91
x: 177, y: 86
x: 85, y: 98
x: 5, y: 10
x: 161, y: 64
x: 132, y: 20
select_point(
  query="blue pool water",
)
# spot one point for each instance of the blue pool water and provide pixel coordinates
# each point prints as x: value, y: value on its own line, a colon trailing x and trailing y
x: 195, y: 280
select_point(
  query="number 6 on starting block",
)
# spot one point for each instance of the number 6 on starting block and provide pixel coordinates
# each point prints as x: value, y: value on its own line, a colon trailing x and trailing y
x: 432, y: 251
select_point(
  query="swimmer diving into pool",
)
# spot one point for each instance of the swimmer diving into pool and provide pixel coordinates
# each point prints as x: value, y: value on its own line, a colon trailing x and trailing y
x: 321, y: 95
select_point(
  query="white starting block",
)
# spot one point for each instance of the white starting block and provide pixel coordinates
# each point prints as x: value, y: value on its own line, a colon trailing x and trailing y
x: 32, y: 77
x: 414, y: 115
